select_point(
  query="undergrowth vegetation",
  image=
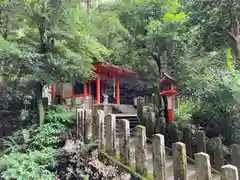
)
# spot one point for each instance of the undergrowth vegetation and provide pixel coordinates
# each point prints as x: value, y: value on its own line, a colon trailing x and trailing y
x: 33, y: 153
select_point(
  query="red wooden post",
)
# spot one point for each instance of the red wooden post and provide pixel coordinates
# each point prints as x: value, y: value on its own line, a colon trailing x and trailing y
x: 89, y: 88
x: 98, y: 91
x: 170, y: 107
x: 117, y: 90
x: 53, y: 92
x: 85, y: 90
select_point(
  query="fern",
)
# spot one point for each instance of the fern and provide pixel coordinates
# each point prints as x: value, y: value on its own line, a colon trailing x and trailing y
x: 60, y: 115
x: 30, y: 166
x: 183, y: 114
x: 14, y: 143
x: 47, y: 135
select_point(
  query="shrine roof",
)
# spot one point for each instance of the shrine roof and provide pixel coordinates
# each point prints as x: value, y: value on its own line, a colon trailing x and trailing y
x: 107, y: 69
x: 167, y: 79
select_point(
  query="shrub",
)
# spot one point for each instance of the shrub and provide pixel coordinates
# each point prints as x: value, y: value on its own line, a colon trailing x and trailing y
x: 32, y: 153
x: 184, y: 113
x: 32, y: 165
x: 60, y: 115
x: 47, y: 136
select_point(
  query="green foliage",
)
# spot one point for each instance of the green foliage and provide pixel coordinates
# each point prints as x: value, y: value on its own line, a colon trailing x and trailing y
x: 56, y: 123
x: 60, y: 115
x: 218, y: 23
x: 184, y: 113
x: 17, y: 142
x: 215, y: 89
x: 46, y: 41
x: 33, y: 153
x: 58, y: 41
x: 30, y: 166
x: 48, y: 135
x: 229, y: 59
x: 150, y: 29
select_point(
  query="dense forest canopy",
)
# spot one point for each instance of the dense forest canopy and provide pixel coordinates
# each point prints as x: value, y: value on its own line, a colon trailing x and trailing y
x: 197, y: 42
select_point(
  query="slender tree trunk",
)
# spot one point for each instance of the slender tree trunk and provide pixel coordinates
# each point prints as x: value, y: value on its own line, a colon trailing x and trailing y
x: 89, y: 7
x: 39, y: 108
x: 233, y: 38
x: 39, y: 86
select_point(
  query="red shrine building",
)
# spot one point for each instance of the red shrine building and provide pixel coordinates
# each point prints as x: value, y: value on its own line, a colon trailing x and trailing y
x: 77, y: 93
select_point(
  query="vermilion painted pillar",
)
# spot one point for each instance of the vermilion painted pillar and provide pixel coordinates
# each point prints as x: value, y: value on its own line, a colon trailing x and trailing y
x: 98, y: 91
x: 85, y: 90
x: 89, y: 88
x: 53, y: 92
x: 170, y: 107
x: 117, y: 90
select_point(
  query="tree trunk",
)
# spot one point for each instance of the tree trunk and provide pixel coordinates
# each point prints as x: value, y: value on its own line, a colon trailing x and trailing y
x: 233, y: 38
x: 89, y: 7
x: 40, y: 108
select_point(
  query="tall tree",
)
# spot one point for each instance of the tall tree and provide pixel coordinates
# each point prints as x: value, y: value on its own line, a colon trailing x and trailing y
x: 218, y: 23
x: 48, y: 40
x: 151, y: 33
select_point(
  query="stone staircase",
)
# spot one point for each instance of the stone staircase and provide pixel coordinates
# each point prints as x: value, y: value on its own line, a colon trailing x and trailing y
x: 124, y: 108
x: 132, y: 118
x: 191, y: 170
x: 124, y: 111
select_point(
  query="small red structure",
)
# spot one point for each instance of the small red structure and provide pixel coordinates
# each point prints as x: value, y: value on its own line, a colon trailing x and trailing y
x: 94, y: 88
x: 169, y: 82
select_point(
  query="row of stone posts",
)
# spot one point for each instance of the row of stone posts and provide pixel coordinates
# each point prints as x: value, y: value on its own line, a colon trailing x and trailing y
x: 107, y: 140
x: 156, y: 123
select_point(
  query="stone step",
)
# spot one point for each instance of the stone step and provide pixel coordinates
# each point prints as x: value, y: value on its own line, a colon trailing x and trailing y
x: 132, y: 118
x: 124, y: 108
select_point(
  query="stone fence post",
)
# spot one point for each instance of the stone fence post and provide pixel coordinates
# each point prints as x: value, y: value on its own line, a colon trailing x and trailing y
x: 218, y: 153
x: 235, y: 156
x: 141, y: 150
x: 159, y: 157
x: 187, y: 139
x: 201, y: 141
x: 124, y: 141
x: 161, y: 125
x: 173, y: 133
x: 140, y: 103
x: 229, y: 172
x: 150, y: 124
x: 88, y: 119
x: 80, y: 123
x: 145, y: 112
x: 203, y: 166
x: 78, y: 133
x: 99, y: 129
x: 179, y: 161
x: 146, y: 99
x: 110, y: 120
